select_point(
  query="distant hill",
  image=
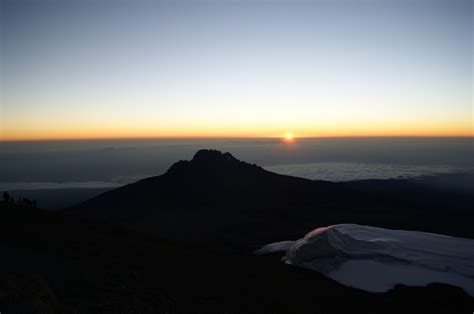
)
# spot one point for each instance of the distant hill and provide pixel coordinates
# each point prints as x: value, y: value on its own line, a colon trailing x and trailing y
x: 215, y: 198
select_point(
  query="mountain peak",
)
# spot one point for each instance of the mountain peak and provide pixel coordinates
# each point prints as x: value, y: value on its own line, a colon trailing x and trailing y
x: 212, y: 155
x: 210, y: 160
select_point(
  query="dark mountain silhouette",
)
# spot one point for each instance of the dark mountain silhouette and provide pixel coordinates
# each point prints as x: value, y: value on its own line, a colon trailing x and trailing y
x: 215, y: 197
x: 200, y: 218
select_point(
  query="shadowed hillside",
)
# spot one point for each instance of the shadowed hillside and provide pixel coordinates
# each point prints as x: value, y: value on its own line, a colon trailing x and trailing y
x: 216, y: 198
x: 53, y: 263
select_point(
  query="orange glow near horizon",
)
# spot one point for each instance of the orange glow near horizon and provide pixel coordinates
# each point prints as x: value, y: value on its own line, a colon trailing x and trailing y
x: 256, y: 126
x: 97, y: 132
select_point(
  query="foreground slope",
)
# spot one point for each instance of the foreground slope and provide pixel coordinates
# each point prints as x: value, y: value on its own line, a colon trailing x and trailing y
x: 53, y: 263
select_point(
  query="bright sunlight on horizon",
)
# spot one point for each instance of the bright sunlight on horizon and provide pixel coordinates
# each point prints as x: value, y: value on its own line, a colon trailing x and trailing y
x: 143, y: 69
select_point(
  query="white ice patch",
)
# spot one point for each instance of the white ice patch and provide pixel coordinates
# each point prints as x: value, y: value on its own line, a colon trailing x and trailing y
x: 376, y: 259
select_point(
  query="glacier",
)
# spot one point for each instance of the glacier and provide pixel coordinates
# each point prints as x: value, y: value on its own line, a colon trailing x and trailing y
x: 376, y: 259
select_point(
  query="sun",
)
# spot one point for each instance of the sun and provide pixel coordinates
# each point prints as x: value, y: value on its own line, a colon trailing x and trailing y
x: 288, y: 137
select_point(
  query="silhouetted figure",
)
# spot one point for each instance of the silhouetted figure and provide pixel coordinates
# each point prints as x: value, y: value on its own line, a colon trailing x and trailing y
x: 27, y: 202
x: 6, y: 197
x: 34, y: 203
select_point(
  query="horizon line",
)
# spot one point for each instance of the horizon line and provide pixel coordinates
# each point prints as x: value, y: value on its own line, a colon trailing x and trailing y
x: 275, y: 137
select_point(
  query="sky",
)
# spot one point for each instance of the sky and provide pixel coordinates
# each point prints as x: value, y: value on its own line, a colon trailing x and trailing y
x: 123, y: 69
